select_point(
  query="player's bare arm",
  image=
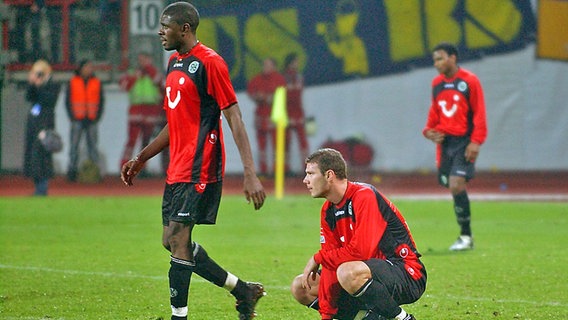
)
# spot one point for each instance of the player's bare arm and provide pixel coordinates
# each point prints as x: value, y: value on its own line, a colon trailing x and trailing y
x: 253, y: 189
x: 310, y: 272
x: 472, y: 151
x: 133, y: 166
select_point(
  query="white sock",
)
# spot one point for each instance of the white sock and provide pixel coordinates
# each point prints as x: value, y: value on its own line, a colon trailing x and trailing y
x: 401, y: 315
x: 231, y: 281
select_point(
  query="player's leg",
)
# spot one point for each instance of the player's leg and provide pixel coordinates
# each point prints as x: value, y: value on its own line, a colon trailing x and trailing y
x: 92, y: 142
x: 177, y: 239
x: 75, y: 138
x: 462, y: 171
x: 181, y: 267
x: 375, y: 289
x: 205, y: 199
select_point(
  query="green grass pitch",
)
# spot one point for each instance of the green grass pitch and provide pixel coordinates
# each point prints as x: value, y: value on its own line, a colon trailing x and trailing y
x: 101, y: 258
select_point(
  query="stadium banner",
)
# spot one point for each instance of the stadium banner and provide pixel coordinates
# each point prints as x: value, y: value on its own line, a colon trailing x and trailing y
x: 552, y: 38
x: 338, y: 40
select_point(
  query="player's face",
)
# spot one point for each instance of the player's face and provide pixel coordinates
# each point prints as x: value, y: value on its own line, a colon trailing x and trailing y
x: 315, y: 181
x: 443, y: 62
x: 170, y: 33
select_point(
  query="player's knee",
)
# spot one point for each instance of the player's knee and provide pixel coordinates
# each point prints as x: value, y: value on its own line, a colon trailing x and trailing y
x: 351, y: 275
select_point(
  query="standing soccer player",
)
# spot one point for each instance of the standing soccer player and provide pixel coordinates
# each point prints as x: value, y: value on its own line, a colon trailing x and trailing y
x: 198, y: 89
x: 457, y: 124
x: 368, y: 258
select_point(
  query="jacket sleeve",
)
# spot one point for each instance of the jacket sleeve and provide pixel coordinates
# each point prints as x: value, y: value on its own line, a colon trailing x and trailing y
x: 329, y: 288
x: 433, y: 117
x: 477, y: 104
x: 368, y: 231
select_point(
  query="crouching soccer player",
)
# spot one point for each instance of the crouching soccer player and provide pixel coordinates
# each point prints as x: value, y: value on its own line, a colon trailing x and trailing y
x: 369, y: 261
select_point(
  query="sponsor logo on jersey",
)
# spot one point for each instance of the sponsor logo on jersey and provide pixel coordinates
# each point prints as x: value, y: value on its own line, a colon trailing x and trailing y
x: 178, y: 65
x: 403, y: 253
x: 339, y: 213
x: 173, y: 104
x: 183, y: 214
x: 449, y: 86
x: 212, y: 138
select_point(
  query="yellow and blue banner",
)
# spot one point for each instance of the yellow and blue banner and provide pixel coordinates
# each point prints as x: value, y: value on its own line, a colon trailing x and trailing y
x: 338, y: 40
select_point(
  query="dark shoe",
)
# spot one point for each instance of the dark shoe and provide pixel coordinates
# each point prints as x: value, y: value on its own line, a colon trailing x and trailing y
x: 246, y: 306
x: 409, y: 317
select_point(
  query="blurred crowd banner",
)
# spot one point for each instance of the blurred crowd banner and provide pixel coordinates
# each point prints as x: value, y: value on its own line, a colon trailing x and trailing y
x: 339, y: 40
x: 552, y: 29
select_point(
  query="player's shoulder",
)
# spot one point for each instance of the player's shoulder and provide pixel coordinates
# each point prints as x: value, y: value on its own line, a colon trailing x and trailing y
x: 467, y: 74
x: 361, y: 189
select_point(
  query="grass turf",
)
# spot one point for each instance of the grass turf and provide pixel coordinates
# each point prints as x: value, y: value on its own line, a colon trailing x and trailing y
x: 101, y: 258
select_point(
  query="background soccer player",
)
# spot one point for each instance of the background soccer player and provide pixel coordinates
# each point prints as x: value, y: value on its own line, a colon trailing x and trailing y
x: 368, y: 257
x: 457, y: 124
x: 198, y: 89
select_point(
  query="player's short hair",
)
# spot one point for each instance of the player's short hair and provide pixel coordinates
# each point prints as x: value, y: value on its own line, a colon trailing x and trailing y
x: 329, y: 159
x: 449, y: 48
x: 183, y: 12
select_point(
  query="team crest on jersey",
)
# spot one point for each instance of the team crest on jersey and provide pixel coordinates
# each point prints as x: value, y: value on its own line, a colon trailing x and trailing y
x: 462, y: 86
x: 193, y: 67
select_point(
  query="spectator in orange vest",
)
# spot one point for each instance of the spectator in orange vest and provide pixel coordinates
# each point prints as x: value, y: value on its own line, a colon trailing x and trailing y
x: 84, y: 102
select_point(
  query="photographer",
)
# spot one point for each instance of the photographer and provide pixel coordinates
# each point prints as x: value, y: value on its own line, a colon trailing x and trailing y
x: 42, y: 94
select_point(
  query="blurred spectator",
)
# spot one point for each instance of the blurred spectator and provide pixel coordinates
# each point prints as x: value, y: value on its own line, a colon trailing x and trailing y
x: 261, y: 90
x: 144, y: 86
x: 42, y: 94
x: 27, y: 16
x: 295, y: 109
x: 84, y: 102
x: 109, y: 19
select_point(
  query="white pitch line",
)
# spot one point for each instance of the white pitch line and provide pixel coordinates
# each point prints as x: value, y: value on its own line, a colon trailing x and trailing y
x: 558, y: 197
x: 269, y: 287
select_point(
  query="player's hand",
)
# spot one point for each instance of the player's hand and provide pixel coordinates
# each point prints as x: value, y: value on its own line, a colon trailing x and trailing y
x: 254, y: 191
x: 472, y: 151
x: 130, y: 169
x: 310, y: 272
x: 436, y: 136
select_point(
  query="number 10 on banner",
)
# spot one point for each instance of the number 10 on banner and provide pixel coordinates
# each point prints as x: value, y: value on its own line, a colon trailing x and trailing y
x: 145, y: 16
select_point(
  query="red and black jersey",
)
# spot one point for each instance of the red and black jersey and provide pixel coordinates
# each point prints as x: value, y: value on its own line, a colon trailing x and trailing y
x: 458, y: 106
x: 198, y: 87
x: 364, y: 225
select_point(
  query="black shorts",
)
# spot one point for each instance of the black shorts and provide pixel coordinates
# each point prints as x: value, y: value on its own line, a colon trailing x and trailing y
x: 453, y: 162
x: 403, y: 288
x: 191, y: 202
